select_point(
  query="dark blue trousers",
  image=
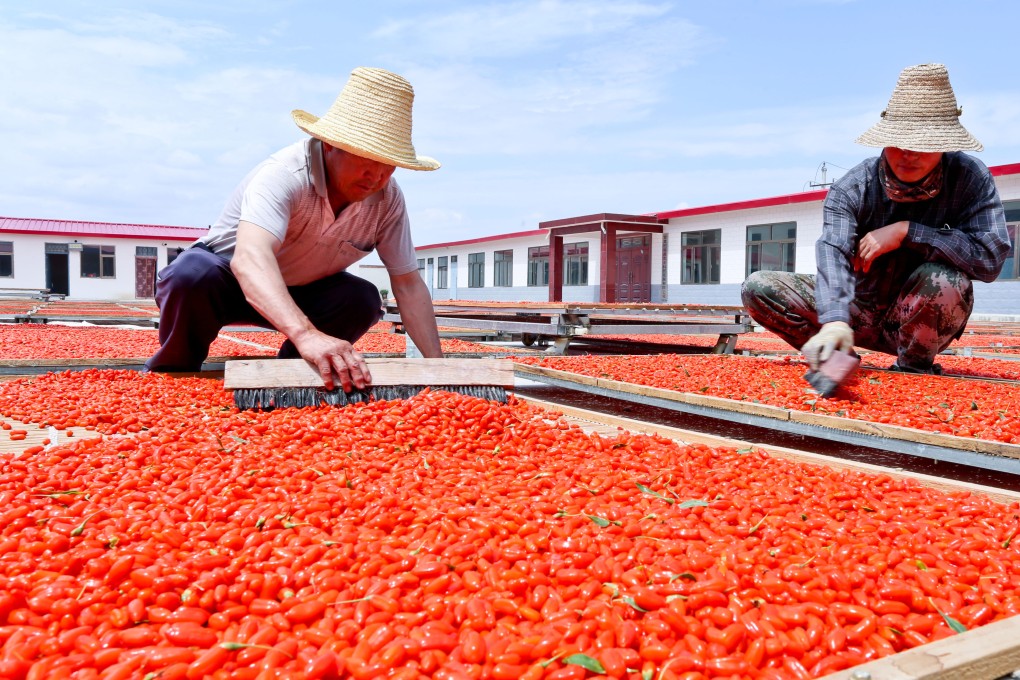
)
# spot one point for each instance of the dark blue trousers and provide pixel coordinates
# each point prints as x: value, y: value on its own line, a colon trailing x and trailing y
x: 198, y: 295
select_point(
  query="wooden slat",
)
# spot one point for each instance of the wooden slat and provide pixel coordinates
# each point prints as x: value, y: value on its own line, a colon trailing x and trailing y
x: 604, y: 420
x: 269, y: 373
x: 71, y: 363
x: 907, y: 433
x: 526, y: 369
x: 37, y: 435
x: 775, y: 412
x: 991, y: 651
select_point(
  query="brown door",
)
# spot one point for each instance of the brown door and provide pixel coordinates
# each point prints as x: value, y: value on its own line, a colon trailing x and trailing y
x: 145, y: 277
x: 634, y: 269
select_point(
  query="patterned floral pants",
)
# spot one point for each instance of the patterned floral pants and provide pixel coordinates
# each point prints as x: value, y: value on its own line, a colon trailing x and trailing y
x: 929, y: 312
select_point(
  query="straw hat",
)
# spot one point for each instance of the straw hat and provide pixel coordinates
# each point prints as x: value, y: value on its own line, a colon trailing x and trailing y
x: 371, y: 118
x: 922, y: 115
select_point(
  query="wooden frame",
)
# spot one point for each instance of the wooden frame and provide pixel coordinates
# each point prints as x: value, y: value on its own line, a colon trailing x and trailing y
x: 782, y: 414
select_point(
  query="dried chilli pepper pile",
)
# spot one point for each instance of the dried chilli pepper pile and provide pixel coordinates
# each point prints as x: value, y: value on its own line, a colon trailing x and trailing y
x: 449, y: 537
x: 964, y: 408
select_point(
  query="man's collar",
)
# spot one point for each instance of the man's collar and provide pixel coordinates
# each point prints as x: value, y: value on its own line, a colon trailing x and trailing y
x: 317, y: 167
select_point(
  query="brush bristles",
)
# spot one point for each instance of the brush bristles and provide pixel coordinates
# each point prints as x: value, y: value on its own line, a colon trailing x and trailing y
x: 267, y: 399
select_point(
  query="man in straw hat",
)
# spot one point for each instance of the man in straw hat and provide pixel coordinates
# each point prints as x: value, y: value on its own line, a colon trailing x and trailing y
x: 903, y: 235
x: 278, y: 254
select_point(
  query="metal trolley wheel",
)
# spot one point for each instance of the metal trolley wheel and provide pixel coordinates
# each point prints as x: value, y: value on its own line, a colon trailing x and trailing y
x: 530, y: 339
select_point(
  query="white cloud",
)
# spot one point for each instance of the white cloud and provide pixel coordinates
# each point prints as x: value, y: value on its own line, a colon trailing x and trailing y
x: 581, y: 66
x: 108, y: 116
x: 516, y: 29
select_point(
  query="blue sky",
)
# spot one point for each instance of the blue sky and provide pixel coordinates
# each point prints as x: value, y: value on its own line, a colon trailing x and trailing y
x: 151, y: 112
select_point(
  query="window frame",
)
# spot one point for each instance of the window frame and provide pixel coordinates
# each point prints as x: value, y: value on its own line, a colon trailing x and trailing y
x: 575, y: 263
x: 103, y: 257
x: 476, y: 270
x: 787, y: 248
x: 1012, y: 263
x: 713, y: 249
x: 503, y: 268
x: 538, y: 266
x: 7, y: 256
x: 442, y: 272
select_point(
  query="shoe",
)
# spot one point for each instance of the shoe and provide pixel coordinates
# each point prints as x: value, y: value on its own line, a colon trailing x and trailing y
x: 934, y: 369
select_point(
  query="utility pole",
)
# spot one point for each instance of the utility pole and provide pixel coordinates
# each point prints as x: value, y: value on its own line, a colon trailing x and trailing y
x: 823, y: 183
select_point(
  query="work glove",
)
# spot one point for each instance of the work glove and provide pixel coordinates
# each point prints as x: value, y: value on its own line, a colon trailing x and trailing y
x: 835, y: 335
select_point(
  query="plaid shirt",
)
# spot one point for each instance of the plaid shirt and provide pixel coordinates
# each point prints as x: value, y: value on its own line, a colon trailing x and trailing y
x: 964, y: 226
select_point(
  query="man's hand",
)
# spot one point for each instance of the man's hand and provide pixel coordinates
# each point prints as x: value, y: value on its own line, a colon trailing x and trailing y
x: 334, y: 357
x: 879, y: 242
x: 832, y: 336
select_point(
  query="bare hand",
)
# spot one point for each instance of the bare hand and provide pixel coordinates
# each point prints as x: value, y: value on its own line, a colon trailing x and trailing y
x: 876, y: 243
x: 334, y: 358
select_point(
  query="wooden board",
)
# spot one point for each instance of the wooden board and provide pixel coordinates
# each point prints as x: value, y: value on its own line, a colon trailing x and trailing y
x: 908, y: 433
x: 268, y: 373
x: 38, y: 435
x: 750, y: 408
x: 991, y: 651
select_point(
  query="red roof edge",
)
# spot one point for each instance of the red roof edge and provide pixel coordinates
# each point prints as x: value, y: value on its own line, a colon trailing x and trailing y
x: 803, y: 197
x: 483, y: 239
x: 96, y: 234
x: 1000, y: 170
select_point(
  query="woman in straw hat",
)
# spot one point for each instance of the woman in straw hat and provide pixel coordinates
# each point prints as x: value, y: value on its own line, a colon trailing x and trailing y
x: 278, y: 254
x: 903, y: 236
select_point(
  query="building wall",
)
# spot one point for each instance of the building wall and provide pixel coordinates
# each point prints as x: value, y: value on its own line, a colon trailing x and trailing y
x: 30, y: 264
x: 998, y: 298
x: 458, y: 288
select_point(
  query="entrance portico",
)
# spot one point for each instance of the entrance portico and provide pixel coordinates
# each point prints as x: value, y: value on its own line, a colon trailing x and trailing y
x: 609, y: 226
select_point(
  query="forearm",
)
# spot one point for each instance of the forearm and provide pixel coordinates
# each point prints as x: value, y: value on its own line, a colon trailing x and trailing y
x: 835, y: 281
x: 418, y: 315
x: 259, y: 277
x: 979, y: 254
x: 977, y: 242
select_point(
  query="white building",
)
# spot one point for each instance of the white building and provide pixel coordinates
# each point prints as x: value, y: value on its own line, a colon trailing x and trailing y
x: 695, y: 255
x: 87, y: 260
x: 99, y: 260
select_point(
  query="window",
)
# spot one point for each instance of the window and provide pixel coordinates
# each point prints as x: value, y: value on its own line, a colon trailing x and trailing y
x: 441, y: 272
x: 701, y: 253
x: 538, y: 266
x: 575, y: 264
x: 6, y: 258
x: 771, y: 247
x: 97, y: 262
x: 172, y: 254
x: 476, y: 270
x: 1011, y: 268
x: 503, y: 268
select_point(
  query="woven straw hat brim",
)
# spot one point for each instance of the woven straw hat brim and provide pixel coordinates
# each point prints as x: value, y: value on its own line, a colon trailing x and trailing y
x: 924, y: 136
x: 922, y: 115
x: 373, y: 144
